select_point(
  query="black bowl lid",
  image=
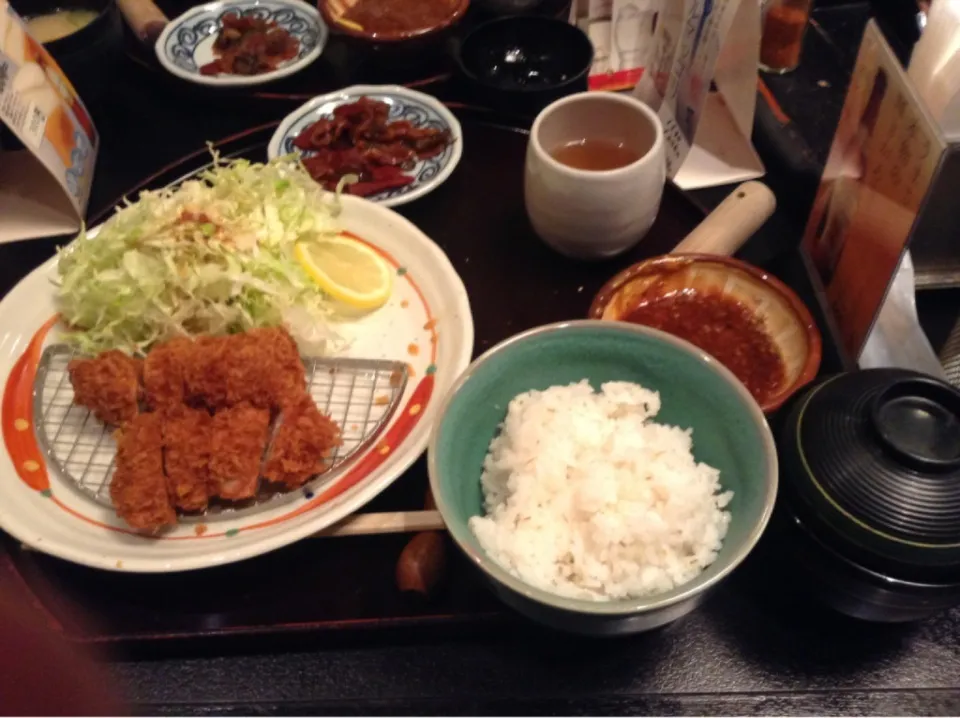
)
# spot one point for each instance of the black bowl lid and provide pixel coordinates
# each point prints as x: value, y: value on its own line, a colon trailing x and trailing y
x: 883, y: 447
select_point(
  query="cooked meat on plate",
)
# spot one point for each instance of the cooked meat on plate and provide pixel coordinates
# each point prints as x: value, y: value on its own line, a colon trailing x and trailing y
x: 108, y: 385
x: 186, y: 440
x: 236, y: 450
x: 203, y: 432
x: 139, y: 488
x: 300, y: 443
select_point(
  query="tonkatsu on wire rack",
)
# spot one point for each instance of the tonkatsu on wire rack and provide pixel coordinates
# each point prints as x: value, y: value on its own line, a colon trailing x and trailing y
x: 360, y: 395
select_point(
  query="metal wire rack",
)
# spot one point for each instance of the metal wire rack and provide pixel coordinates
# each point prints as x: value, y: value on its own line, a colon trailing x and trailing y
x: 360, y: 395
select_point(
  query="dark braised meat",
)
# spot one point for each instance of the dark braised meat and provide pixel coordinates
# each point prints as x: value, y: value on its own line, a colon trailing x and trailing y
x: 250, y: 46
x: 359, y: 139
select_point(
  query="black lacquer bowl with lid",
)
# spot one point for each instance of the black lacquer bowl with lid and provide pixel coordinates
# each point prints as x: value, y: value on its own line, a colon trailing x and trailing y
x: 870, y: 498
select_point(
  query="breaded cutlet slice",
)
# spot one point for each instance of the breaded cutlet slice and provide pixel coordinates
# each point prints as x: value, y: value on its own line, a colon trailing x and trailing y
x: 139, y: 487
x: 163, y: 372
x: 204, y: 375
x: 260, y: 366
x: 303, y: 440
x: 287, y: 373
x: 186, y: 445
x: 263, y: 367
x: 238, y: 439
x: 108, y: 385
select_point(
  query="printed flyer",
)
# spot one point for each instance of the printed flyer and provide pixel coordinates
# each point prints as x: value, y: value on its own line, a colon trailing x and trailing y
x: 48, y: 154
x: 702, y: 81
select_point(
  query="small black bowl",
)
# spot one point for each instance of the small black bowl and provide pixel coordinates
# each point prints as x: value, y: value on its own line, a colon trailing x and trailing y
x: 523, y: 63
x: 88, y: 57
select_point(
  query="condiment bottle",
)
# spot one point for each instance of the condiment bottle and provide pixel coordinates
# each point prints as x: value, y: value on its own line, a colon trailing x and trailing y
x: 784, y: 24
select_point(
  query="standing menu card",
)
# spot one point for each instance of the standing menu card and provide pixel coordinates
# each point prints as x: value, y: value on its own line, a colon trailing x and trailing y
x: 702, y: 81
x: 45, y: 184
x: 884, y: 183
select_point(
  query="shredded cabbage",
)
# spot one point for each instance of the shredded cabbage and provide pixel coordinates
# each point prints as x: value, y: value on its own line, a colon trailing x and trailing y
x: 213, y: 255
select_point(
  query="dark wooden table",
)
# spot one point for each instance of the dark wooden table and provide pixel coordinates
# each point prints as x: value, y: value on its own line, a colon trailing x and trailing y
x: 720, y: 660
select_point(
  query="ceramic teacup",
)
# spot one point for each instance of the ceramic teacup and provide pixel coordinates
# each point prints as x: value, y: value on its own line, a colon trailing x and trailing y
x: 594, y: 213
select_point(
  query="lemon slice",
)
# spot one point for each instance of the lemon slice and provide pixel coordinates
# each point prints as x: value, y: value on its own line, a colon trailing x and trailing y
x: 348, y: 270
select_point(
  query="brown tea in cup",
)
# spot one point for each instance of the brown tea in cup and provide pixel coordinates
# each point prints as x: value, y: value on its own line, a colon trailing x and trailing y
x: 595, y: 155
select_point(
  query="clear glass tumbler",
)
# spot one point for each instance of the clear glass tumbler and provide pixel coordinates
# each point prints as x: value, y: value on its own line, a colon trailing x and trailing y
x: 784, y: 25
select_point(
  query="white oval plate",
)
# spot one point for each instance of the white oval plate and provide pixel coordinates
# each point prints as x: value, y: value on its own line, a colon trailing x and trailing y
x: 186, y: 43
x: 426, y: 323
x: 420, y: 109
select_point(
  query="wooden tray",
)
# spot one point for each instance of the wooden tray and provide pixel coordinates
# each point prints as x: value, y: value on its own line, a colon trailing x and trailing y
x: 332, y: 584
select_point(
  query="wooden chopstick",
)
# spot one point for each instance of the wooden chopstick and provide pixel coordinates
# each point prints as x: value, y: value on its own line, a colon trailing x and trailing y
x: 392, y: 522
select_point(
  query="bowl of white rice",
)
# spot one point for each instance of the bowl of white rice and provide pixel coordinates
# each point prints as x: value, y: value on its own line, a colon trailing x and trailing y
x: 603, y: 475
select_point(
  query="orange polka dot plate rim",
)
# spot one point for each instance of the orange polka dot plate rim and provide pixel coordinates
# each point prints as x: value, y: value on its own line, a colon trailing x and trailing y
x: 429, y: 309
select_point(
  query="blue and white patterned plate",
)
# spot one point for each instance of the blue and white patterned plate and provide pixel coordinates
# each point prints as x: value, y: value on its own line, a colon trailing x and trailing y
x: 186, y: 43
x: 419, y: 109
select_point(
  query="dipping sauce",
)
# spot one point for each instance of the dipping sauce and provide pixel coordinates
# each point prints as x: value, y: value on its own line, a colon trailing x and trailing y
x: 388, y: 16
x: 722, y: 327
x: 595, y: 154
x: 58, y: 24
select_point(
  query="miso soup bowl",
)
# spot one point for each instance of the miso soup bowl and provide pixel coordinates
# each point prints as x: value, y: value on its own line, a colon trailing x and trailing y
x: 729, y: 433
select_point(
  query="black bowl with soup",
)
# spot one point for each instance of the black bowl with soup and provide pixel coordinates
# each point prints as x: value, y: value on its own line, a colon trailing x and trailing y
x: 85, y: 37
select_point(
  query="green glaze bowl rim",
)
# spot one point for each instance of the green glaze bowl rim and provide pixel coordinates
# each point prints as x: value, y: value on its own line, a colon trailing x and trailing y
x: 621, y: 608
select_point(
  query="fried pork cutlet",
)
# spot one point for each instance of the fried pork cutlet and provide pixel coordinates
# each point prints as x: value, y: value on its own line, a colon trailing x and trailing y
x: 163, y: 372
x: 186, y: 443
x: 204, y: 372
x: 285, y: 367
x: 139, y: 488
x: 263, y: 367
x: 304, y: 439
x: 238, y: 438
x: 108, y: 385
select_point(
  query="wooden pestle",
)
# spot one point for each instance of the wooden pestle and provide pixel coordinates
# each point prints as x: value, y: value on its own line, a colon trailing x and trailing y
x: 732, y: 223
x: 144, y: 18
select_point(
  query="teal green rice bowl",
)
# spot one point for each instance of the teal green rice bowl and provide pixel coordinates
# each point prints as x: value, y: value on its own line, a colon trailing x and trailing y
x: 730, y: 433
